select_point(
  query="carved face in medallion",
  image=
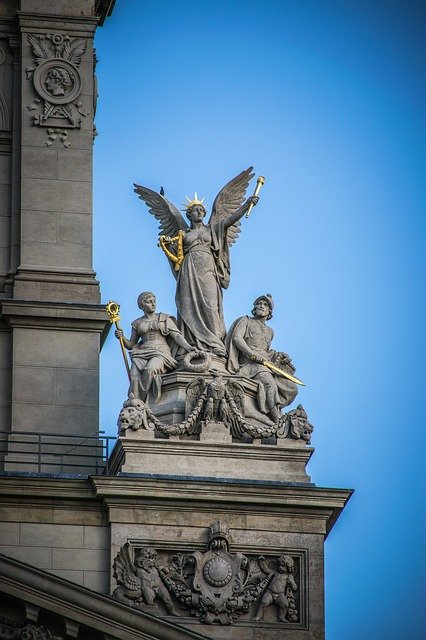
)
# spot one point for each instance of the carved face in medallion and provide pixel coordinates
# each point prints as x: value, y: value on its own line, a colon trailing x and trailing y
x: 58, y: 81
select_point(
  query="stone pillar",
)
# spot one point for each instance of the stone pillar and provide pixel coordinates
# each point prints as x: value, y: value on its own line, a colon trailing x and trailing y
x: 52, y: 324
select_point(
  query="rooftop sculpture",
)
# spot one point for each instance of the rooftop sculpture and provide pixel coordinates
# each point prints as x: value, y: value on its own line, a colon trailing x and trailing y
x: 189, y: 372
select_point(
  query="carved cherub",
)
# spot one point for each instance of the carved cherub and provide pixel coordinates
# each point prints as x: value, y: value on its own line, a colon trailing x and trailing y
x: 140, y: 582
x: 280, y: 589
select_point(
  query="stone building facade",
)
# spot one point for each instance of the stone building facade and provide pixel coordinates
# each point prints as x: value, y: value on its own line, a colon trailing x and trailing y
x: 179, y: 534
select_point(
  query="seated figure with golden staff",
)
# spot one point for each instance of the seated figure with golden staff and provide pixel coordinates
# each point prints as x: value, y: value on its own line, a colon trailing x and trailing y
x: 153, y: 339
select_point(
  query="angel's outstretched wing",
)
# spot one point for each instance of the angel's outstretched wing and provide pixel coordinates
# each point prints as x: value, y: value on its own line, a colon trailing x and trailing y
x: 170, y: 219
x: 229, y: 200
x: 124, y: 570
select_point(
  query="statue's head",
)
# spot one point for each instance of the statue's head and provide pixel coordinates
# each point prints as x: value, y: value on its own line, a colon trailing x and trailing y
x: 146, y: 558
x: 147, y: 300
x: 195, y: 210
x: 263, y: 306
x: 57, y: 81
x: 285, y: 564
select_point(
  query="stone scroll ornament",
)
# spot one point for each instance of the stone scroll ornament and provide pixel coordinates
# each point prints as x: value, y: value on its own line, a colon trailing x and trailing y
x: 57, y: 81
x: 216, y: 586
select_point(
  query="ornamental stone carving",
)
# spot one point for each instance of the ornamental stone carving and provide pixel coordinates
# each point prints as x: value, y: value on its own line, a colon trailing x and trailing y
x: 35, y: 632
x: 141, y: 582
x: 216, y: 586
x: 57, y: 80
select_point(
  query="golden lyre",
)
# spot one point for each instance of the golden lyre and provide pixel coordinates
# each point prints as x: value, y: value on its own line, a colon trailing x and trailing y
x: 177, y: 258
x: 259, y: 185
x: 113, y: 309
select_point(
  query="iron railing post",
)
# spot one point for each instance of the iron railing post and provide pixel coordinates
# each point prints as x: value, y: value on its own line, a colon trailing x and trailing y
x: 39, y: 452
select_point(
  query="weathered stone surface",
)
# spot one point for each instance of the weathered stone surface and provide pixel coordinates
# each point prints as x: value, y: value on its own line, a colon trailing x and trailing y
x: 200, y: 459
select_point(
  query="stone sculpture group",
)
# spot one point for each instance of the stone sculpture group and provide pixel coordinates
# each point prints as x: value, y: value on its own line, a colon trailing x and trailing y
x: 197, y: 341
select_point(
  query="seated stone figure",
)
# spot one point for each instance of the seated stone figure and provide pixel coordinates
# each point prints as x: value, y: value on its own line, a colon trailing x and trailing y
x: 153, y: 338
x: 248, y: 343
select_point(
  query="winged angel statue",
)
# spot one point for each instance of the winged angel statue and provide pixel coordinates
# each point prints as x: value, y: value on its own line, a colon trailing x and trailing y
x: 201, y: 263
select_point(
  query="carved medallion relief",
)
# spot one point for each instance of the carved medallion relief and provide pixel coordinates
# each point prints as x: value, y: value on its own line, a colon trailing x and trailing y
x: 216, y: 586
x: 57, y: 80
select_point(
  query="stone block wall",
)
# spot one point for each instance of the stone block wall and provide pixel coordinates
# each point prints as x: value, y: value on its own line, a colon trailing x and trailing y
x: 68, y: 542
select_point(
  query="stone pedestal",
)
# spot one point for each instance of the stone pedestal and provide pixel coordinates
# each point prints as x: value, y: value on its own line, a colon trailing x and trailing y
x: 142, y: 453
x: 222, y: 511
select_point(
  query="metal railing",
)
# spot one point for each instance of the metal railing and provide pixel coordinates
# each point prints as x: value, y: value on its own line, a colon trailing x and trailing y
x: 56, y: 453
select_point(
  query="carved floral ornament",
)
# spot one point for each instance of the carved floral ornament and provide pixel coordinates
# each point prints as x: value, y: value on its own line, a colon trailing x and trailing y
x: 215, y: 586
x: 57, y: 80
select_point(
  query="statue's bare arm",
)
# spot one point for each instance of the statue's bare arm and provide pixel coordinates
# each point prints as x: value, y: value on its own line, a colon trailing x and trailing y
x: 129, y: 344
x: 233, y: 218
x: 180, y: 340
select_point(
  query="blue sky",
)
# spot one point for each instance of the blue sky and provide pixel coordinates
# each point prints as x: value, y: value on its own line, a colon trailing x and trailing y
x: 327, y: 99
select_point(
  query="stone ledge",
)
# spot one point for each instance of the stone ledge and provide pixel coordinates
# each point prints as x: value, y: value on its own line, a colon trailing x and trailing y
x: 196, y: 458
x: 61, y: 315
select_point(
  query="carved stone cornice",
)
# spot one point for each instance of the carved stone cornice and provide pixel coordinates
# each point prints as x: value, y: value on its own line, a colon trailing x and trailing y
x: 61, y: 315
x: 322, y: 504
x: 103, y: 9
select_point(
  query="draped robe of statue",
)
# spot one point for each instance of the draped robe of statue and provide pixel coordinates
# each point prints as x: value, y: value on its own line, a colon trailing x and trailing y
x: 152, y: 355
x: 205, y: 269
x: 202, y: 275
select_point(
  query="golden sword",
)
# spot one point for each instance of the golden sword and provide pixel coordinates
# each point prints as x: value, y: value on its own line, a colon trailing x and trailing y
x: 281, y: 372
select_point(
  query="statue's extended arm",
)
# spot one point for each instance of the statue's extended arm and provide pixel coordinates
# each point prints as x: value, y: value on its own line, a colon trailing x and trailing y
x: 233, y: 218
x: 180, y: 340
x: 169, y: 328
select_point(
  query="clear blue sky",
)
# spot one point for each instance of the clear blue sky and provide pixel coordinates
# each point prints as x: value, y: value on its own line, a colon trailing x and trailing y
x: 327, y: 99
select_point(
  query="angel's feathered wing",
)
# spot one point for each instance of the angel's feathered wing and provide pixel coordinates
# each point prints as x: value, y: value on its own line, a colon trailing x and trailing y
x: 170, y: 219
x: 124, y: 570
x: 229, y: 200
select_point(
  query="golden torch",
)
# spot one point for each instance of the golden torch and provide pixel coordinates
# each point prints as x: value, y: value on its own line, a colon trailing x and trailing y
x: 259, y: 185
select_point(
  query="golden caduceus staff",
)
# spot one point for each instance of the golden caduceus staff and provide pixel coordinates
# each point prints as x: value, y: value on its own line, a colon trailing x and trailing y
x: 259, y: 185
x: 113, y: 309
